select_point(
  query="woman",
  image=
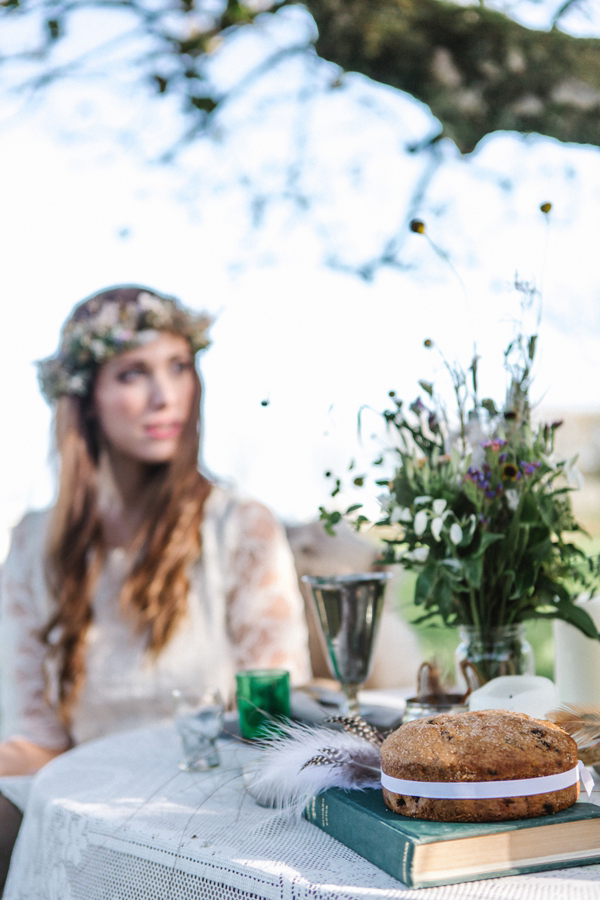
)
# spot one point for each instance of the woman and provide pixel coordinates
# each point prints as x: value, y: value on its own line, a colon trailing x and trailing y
x: 144, y: 576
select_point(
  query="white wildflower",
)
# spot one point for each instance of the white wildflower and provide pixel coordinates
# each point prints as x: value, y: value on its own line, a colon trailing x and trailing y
x: 419, y: 554
x: 439, y: 506
x: 420, y: 523
x: 419, y: 501
x: 456, y: 533
x: 436, y: 527
x: 401, y: 514
x: 573, y: 475
x: 512, y: 499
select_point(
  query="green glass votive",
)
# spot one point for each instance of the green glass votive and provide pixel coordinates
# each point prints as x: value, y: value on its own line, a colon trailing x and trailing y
x: 263, y: 695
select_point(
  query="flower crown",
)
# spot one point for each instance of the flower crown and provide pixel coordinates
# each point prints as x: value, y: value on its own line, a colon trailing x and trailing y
x: 101, y: 328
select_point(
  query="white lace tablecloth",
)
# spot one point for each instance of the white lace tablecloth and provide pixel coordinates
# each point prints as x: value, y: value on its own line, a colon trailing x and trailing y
x: 115, y: 819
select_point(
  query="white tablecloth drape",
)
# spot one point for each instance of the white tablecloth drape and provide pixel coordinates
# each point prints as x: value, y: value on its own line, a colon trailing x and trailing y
x: 116, y: 820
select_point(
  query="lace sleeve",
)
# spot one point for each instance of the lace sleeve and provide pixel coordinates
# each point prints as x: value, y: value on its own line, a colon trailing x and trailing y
x: 266, y: 618
x: 24, y: 609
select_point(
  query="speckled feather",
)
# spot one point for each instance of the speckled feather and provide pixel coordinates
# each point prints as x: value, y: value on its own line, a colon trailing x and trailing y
x: 358, y: 726
x: 305, y: 760
x: 582, y: 722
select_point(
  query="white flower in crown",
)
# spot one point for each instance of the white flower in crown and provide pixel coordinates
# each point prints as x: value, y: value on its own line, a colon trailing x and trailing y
x: 111, y: 328
x: 123, y: 335
x: 78, y: 384
x: 99, y: 349
x: 160, y: 313
x: 149, y: 303
x: 106, y: 319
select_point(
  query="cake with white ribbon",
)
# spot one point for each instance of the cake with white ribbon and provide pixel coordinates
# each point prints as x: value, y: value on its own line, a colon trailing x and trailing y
x: 485, y: 766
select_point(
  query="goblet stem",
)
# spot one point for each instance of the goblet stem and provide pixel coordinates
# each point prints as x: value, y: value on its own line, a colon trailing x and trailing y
x: 351, y: 694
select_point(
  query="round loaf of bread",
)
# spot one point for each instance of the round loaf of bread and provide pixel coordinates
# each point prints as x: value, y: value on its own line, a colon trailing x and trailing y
x: 490, y: 745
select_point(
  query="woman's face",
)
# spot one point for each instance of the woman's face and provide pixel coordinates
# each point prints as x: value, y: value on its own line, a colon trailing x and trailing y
x: 142, y: 398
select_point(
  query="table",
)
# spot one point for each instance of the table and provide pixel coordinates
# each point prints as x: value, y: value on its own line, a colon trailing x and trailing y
x: 115, y: 819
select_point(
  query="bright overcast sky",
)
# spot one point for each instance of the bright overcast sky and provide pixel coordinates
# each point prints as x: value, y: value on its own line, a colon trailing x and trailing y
x: 81, y: 211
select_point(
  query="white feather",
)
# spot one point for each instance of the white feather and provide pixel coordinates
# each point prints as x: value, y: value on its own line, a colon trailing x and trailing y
x: 281, y: 778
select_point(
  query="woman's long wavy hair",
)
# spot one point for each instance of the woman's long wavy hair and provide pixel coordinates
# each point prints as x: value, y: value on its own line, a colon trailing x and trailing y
x: 154, y: 594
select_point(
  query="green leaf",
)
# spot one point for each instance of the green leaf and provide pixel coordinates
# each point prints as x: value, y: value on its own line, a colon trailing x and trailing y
x: 530, y: 512
x: 425, y: 584
x: 473, y: 570
x: 567, y: 611
x: 329, y: 519
x: 523, y: 580
x: 487, y: 539
x: 360, y: 520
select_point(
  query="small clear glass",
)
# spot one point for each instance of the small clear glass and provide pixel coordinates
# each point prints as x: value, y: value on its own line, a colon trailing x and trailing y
x: 198, y: 720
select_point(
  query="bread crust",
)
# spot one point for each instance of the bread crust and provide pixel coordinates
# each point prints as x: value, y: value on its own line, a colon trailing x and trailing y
x: 488, y: 745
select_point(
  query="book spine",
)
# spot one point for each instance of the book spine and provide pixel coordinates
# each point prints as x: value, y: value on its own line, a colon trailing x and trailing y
x: 364, y: 834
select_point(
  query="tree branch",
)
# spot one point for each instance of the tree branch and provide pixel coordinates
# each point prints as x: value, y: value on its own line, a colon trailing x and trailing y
x: 476, y: 69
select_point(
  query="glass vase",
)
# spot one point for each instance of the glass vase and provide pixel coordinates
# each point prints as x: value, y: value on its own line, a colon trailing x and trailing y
x: 503, y: 650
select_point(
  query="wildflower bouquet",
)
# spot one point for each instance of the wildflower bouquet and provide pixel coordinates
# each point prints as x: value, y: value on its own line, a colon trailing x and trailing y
x: 480, y: 510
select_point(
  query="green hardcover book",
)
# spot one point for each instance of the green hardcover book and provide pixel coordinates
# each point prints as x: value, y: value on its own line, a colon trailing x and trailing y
x: 424, y: 854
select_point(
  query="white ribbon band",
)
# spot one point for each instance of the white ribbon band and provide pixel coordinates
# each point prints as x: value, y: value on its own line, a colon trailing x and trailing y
x: 476, y: 790
x: 586, y: 779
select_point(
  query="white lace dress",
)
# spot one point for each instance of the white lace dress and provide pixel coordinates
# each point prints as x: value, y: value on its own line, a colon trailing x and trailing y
x: 244, y: 611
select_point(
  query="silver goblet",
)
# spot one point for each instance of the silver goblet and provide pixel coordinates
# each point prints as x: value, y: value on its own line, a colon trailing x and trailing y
x: 349, y: 609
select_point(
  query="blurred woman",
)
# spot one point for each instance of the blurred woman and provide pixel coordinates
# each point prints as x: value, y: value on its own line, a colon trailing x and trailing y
x: 145, y: 576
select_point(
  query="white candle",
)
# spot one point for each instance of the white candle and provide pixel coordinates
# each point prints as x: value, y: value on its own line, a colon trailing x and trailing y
x: 577, y: 660
x: 531, y: 694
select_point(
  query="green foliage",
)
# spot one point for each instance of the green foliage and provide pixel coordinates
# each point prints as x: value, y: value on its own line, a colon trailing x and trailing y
x: 481, y: 513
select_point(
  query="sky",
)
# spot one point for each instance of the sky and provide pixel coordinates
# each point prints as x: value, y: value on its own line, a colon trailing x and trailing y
x: 86, y: 206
